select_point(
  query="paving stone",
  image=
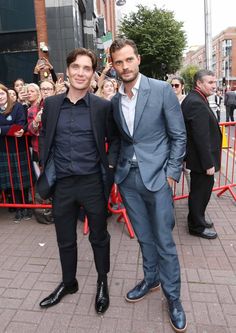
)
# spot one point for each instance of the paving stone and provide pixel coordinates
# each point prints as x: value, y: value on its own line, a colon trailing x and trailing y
x: 29, y: 272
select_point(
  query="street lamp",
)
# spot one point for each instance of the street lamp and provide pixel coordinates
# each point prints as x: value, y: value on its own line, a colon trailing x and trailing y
x: 120, y: 2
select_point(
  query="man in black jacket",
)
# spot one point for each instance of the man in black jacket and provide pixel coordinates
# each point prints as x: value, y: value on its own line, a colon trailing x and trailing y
x: 230, y: 104
x: 203, y: 151
x: 75, y: 128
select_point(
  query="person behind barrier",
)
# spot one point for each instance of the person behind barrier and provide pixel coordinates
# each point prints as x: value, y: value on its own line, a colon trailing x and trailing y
x: 106, y: 90
x: 230, y: 104
x: 153, y: 140
x: 13, y: 94
x: 34, y: 113
x: 203, y: 151
x: 19, y: 86
x: 36, y: 97
x: 177, y: 84
x: 15, y: 183
x: 75, y: 127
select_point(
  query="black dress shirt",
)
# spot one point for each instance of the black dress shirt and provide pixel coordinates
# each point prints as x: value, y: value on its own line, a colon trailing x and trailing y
x: 75, y: 148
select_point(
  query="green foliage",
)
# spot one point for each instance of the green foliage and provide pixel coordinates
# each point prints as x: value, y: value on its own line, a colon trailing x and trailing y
x: 159, y: 38
x: 187, y: 74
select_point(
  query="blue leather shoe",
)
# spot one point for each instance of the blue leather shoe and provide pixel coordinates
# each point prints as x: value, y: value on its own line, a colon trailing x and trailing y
x: 177, y: 316
x: 140, y: 290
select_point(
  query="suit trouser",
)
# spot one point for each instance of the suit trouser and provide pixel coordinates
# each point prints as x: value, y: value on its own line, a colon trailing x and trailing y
x: 230, y: 112
x: 71, y: 193
x: 152, y: 217
x: 200, y: 192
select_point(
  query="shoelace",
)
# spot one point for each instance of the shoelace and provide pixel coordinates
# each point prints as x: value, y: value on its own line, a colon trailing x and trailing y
x: 176, y: 305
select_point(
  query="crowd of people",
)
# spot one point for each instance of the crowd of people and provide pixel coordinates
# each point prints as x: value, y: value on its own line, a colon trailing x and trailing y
x: 92, y: 130
x: 21, y: 105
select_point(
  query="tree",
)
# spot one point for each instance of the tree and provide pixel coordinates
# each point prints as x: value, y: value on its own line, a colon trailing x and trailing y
x: 187, y: 74
x: 159, y: 38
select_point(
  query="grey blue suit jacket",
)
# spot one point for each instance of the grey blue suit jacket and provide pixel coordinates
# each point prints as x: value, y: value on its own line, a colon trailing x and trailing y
x: 159, y: 137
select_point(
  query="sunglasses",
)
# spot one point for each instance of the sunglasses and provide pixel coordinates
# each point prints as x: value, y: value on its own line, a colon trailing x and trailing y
x: 176, y: 85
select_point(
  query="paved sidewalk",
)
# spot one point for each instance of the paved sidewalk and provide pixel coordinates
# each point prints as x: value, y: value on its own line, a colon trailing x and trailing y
x: 30, y: 270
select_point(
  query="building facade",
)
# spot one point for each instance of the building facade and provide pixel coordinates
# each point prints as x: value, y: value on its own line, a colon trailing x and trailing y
x: 30, y: 29
x: 18, y: 40
x: 223, y: 58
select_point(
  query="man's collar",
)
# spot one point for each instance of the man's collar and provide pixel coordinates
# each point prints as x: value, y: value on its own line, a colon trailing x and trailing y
x: 85, y: 99
x: 135, y: 87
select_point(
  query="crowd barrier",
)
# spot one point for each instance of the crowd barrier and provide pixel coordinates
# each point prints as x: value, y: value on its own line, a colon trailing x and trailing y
x: 224, y: 179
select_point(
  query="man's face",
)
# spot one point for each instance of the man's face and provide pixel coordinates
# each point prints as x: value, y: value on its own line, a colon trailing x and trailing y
x: 80, y: 73
x: 126, y: 63
x: 207, y: 85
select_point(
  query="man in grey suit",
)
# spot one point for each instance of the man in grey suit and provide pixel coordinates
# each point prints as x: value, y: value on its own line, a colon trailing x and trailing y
x: 153, y: 140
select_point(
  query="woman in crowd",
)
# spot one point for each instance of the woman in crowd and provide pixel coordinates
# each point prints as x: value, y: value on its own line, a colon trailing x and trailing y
x: 36, y: 97
x: 18, y: 84
x: 34, y: 116
x: 15, y: 171
x: 20, y: 87
x: 47, y: 88
x: 177, y: 84
x: 107, y: 89
x: 13, y: 95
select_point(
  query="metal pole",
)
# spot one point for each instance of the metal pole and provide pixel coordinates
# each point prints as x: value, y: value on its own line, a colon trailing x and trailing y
x: 208, y: 34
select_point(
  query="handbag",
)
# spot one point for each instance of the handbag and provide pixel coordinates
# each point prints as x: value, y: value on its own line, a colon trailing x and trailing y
x: 45, y: 185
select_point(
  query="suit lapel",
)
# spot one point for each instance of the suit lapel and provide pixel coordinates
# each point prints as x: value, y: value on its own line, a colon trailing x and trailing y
x: 53, y: 118
x: 143, y: 93
x: 93, y: 114
x: 118, y: 114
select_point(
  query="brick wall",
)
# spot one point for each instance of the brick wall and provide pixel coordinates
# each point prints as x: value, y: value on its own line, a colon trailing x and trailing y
x: 41, y: 25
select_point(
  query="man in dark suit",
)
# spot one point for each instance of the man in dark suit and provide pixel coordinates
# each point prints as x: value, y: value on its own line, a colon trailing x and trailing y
x: 203, y: 151
x: 230, y: 104
x: 153, y: 141
x: 75, y: 127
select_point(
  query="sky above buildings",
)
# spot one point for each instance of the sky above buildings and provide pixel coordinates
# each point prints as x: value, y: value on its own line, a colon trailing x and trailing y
x: 191, y: 13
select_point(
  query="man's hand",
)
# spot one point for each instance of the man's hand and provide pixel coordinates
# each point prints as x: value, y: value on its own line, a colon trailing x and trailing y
x: 171, y: 181
x: 210, y: 171
x: 107, y: 68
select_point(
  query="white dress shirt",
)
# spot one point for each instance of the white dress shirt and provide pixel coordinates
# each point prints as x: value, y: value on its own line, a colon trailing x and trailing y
x: 128, y: 104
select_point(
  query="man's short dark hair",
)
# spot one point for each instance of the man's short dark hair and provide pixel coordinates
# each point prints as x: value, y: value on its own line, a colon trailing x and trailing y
x: 119, y: 43
x: 82, y: 51
x: 199, y: 75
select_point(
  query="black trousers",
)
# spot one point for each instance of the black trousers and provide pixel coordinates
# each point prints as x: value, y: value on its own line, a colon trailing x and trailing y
x: 200, y: 192
x: 230, y: 112
x: 71, y: 193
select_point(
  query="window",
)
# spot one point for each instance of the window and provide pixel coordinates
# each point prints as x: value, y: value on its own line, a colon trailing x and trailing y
x: 17, y: 15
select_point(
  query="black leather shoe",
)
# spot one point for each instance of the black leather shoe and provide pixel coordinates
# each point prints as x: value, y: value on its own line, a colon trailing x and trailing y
x: 206, y: 233
x: 140, y: 290
x: 208, y: 224
x: 177, y: 316
x: 58, y: 293
x: 102, y: 298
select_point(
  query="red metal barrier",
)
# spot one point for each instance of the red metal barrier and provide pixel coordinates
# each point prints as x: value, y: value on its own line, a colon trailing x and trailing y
x: 224, y: 181
x: 12, y: 145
